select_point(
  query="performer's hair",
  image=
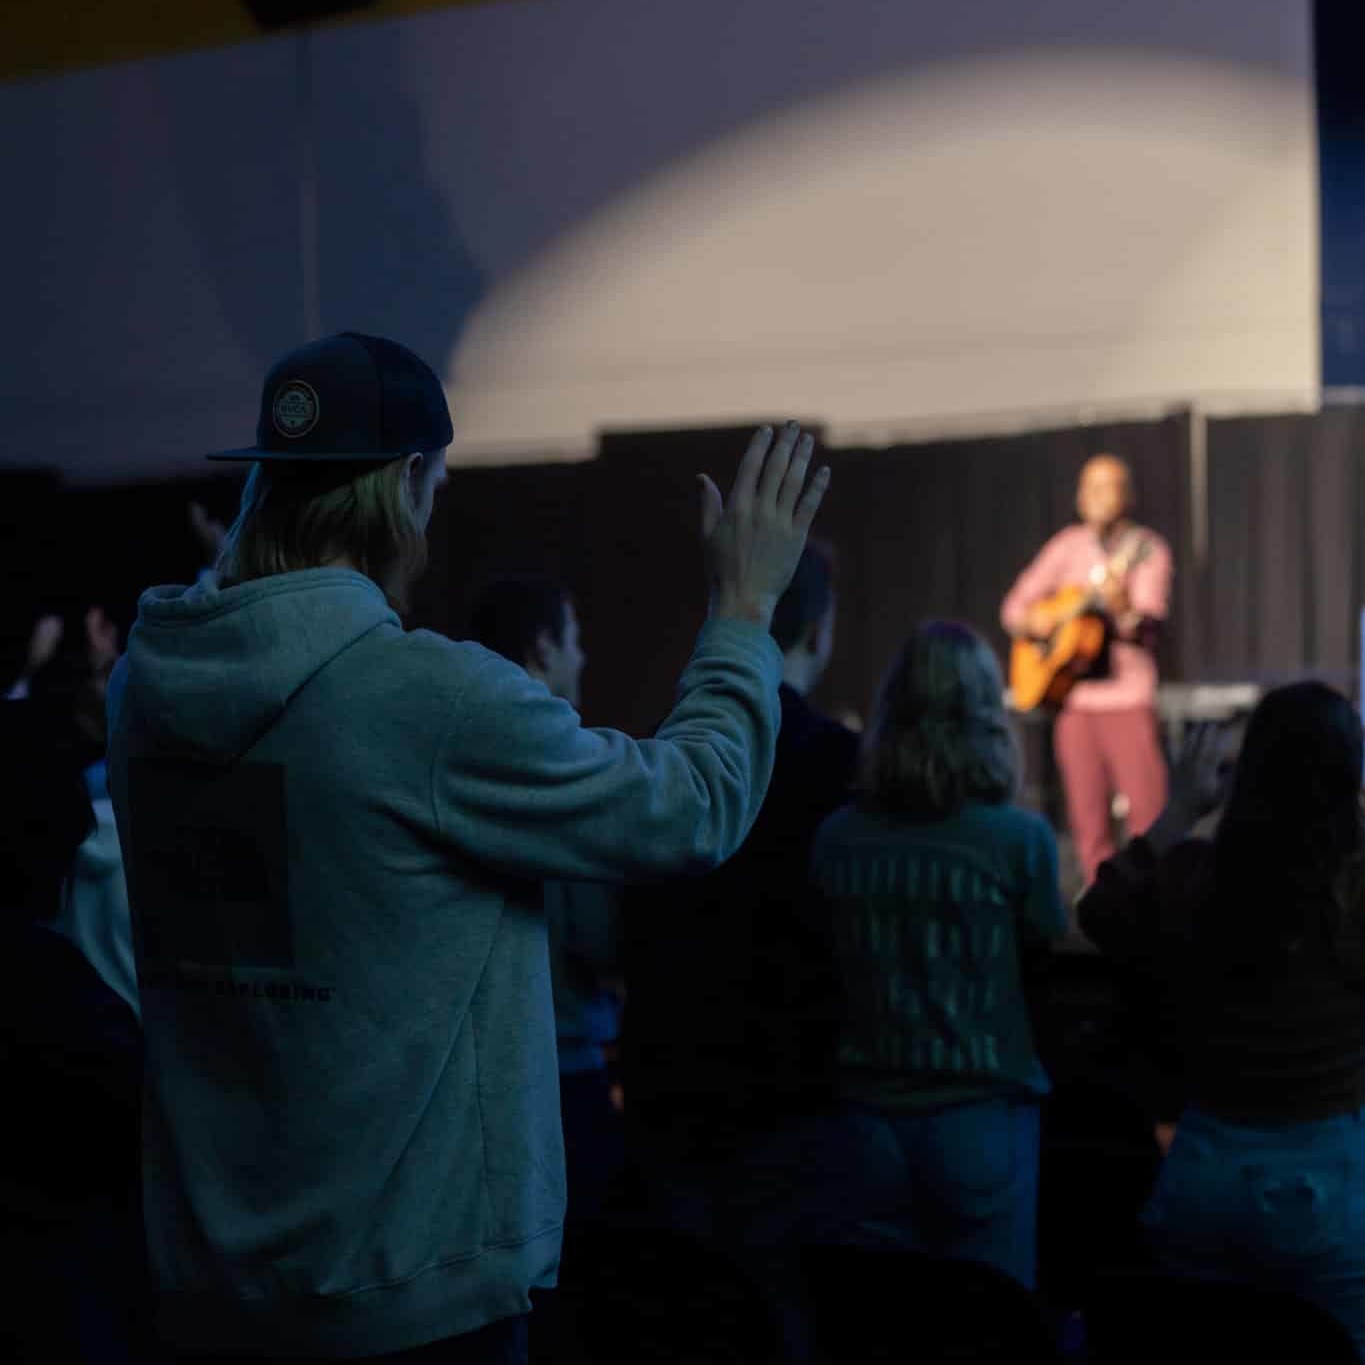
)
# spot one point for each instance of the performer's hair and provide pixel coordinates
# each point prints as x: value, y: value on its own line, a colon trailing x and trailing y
x: 939, y: 735
x: 305, y: 516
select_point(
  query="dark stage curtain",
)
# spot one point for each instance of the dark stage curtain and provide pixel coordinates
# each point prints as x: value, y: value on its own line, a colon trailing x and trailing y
x: 937, y: 528
x: 645, y: 579
x: 1284, y: 572
x: 507, y: 519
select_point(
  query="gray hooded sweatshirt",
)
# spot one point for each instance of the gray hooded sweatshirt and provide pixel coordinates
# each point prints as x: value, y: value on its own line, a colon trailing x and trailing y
x: 335, y: 834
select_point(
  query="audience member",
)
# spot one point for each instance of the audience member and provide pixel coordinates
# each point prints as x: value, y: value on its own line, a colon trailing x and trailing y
x: 943, y: 897
x: 732, y: 1011
x: 336, y: 833
x: 1257, y: 936
x: 70, y: 1054
x: 44, y: 636
x: 531, y: 621
x: 69, y: 688
x: 731, y: 1021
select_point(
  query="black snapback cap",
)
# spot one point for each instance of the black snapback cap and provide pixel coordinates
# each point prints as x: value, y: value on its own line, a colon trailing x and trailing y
x: 348, y: 397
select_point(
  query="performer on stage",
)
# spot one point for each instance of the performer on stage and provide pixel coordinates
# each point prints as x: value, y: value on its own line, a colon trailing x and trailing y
x: 1106, y: 738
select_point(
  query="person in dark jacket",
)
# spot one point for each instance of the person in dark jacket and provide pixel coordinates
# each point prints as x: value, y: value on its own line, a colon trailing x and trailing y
x: 732, y: 1012
x: 71, y: 1062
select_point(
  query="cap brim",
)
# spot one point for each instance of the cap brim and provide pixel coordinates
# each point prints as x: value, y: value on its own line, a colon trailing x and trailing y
x: 253, y: 453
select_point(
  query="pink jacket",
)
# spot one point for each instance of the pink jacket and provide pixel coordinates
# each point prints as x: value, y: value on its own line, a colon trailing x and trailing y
x: 1067, y: 559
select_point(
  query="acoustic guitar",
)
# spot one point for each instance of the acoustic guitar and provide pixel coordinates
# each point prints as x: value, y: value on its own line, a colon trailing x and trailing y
x: 1042, y: 672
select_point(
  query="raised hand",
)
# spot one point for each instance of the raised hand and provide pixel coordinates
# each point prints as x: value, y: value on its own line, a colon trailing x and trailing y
x: 210, y: 532
x: 754, y: 541
x: 1198, y: 784
x: 42, y: 643
x: 1199, y: 774
x: 101, y: 638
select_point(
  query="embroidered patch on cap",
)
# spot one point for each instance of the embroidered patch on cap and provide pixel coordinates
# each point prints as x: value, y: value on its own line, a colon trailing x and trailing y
x: 295, y: 410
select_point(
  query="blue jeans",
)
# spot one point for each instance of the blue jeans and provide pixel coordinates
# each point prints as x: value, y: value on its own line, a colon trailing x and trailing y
x: 801, y: 1185
x: 1280, y: 1208
x: 965, y: 1182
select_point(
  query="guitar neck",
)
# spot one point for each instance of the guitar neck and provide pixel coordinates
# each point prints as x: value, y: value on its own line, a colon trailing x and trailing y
x: 1130, y: 555
x: 1127, y: 558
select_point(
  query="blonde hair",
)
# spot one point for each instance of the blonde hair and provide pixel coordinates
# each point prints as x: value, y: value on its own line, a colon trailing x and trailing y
x: 939, y: 735
x: 305, y: 516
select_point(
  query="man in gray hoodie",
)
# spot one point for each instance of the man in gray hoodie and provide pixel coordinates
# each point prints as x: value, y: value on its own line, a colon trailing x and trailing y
x: 335, y: 835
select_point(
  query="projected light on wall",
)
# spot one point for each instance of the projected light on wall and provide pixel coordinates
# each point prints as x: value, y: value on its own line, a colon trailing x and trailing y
x: 1030, y: 232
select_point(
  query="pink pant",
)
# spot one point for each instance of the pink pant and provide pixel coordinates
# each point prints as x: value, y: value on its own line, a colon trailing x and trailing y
x: 1101, y: 753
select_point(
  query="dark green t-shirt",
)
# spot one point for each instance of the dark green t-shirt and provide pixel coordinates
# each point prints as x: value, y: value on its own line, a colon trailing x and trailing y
x: 930, y: 920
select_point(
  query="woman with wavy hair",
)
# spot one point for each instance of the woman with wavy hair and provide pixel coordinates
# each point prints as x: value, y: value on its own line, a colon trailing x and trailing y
x: 941, y: 894
x: 1254, y: 938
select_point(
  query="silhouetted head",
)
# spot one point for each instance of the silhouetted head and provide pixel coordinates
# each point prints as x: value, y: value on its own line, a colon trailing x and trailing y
x: 530, y: 619
x: 1292, y: 817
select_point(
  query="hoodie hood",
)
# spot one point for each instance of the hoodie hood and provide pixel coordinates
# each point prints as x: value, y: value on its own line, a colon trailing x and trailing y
x: 210, y: 670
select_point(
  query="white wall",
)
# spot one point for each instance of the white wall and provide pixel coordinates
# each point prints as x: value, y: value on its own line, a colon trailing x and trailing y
x: 594, y: 213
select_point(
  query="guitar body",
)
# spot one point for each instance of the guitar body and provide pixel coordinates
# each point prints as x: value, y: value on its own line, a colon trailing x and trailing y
x: 1042, y: 672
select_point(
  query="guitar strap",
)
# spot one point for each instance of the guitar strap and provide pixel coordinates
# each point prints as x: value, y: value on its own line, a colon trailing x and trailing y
x: 1128, y: 554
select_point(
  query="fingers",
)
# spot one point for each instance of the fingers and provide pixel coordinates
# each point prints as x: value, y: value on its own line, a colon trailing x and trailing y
x: 746, y: 479
x: 1200, y: 773
x: 1210, y: 742
x: 47, y: 633
x: 811, y: 500
x: 776, y: 465
x: 1195, y: 741
x: 711, y: 505
x: 775, y: 478
x: 795, y: 480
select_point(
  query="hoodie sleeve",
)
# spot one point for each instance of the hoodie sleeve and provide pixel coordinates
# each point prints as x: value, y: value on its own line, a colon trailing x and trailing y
x: 113, y: 693
x: 518, y: 783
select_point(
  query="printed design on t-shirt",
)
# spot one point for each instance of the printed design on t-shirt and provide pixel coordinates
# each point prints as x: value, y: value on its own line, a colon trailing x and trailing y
x: 928, y: 942
x: 208, y: 880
